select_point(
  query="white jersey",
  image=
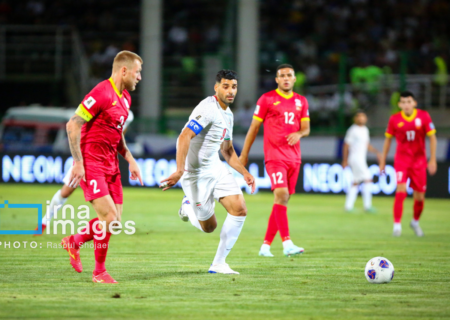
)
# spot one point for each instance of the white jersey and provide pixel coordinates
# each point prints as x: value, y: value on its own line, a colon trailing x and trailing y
x: 212, y: 126
x: 358, y: 140
x: 129, y: 120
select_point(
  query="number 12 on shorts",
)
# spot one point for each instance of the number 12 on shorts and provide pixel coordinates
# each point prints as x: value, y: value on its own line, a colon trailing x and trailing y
x: 277, y: 178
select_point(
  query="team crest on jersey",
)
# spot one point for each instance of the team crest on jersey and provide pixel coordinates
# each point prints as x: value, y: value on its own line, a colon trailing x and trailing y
x: 89, y: 102
x: 198, y: 117
x: 418, y: 123
x: 298, y: 103
x: 276, y: 103
x: 400, y: 124
x: 257, y: 109
x: 126, y: 103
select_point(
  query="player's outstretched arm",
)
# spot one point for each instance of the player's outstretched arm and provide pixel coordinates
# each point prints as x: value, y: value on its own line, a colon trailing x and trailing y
x: 344, y: 154
x: 386, y: 147
x: 231, y: 158
x: 374, y: 150
x: 432, y: 164
x: 126, y: 154
x: 73, y: 128
x: 249, y: 139
x: 184, y: 141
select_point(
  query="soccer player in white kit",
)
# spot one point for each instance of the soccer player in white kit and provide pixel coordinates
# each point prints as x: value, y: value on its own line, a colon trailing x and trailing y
x: 61, y: 196
x: 203, y: 175
x: 354, y: 154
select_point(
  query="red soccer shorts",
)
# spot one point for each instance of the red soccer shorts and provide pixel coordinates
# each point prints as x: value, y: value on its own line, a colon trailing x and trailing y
x: 98, y: 185
x: 417, y: 176
x: 283, y: 174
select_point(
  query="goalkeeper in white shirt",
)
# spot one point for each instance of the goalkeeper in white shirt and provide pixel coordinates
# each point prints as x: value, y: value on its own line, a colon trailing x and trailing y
x: 354, y: 154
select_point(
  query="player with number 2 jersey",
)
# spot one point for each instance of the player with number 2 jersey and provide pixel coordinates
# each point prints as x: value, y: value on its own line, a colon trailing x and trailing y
x: 410, y: 127
x: 95, y: 135
x: 286, y: 119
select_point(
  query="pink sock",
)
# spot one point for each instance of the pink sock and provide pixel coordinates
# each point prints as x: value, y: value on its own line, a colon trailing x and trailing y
x: 79, y: 239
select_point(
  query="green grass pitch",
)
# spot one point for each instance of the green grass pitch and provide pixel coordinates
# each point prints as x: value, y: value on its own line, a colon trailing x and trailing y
x: 162, y: 268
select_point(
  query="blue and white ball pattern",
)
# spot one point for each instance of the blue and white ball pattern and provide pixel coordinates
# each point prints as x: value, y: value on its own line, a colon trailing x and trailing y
x: 379, y: 270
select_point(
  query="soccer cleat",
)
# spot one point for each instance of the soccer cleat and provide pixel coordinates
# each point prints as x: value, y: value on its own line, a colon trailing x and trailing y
x: 265, y: 252
x: 371, y: 210
x: 103, y: 277
x: 74, y: 254
x: 397, y: 233
x: 221, y: 268
x: 292, y: 250
x: 183, y: 216
x: 43, y: 229
x: 417, y: 229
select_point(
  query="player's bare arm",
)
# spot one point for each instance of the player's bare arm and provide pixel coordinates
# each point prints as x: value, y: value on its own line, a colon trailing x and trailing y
x: 126, y: 154
x: 294, y: 137
x: 386, y: 147
x: 249, y: 139
x: 375, y: 151
x: 345, y: 155
x: 231, y: 158
x: 432, y: 164
x: 74, y: 134
x: 184, y: 141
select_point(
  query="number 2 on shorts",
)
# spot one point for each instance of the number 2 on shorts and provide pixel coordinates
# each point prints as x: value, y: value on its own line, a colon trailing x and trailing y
x: 280, y: 178
x: 94, y: 183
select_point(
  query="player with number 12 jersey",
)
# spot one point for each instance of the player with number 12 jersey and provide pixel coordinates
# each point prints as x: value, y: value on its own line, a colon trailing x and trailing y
x: 410, y: 126
x: 286, y: 119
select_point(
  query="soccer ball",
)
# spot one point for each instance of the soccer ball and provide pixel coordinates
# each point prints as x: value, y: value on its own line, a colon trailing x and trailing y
x: 379, y: 270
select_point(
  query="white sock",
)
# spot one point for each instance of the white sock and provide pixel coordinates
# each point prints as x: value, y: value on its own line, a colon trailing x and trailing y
x: 187, y: 208
x: 367, y: 195
x: 414, y: 223
x: 57, y: 200
x: 228, y: 236
x: 265, y: 247
x: 397, y: 226
x: 287, y: 244
x: 350, y: 199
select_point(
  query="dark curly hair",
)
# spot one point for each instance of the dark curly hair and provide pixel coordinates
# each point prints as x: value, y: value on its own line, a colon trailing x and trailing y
x: 226, y: 74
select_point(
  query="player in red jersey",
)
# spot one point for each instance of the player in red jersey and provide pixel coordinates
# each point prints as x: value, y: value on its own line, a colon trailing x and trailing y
x: 409, y: 127
x: 286, y: 119
x: 95, y: 135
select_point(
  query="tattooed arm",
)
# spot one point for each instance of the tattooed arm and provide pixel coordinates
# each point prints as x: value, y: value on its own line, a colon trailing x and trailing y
x: 74, y: 134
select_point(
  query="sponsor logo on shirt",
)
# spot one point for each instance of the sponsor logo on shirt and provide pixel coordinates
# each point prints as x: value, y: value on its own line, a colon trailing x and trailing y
x: 89, y: 102
x: 198, y: 117
x: 418, y: 123
x: 432, y: 127
x: 257, y: 109
x: 400, y: 124
x: 276, y: 103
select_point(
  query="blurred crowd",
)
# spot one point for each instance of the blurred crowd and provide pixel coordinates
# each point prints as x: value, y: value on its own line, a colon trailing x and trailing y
x: 312, y: 34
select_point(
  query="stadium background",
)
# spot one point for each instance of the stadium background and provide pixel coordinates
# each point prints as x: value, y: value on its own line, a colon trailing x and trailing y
x: 348, y: 55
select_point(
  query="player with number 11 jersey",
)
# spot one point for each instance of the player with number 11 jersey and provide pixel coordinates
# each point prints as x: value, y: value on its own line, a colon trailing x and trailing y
x: 286, y: 119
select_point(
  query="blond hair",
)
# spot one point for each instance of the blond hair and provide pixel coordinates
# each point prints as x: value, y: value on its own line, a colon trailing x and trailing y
x: 125, y: 58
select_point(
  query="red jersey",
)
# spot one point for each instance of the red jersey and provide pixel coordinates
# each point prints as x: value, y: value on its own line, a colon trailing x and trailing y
x: 410, y: 132
x: 105, y: 111
x: 282, y: 114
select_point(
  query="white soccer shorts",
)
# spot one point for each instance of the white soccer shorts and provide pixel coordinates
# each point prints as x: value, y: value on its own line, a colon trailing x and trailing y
x: 201, y: 189
x: 360, y: 171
